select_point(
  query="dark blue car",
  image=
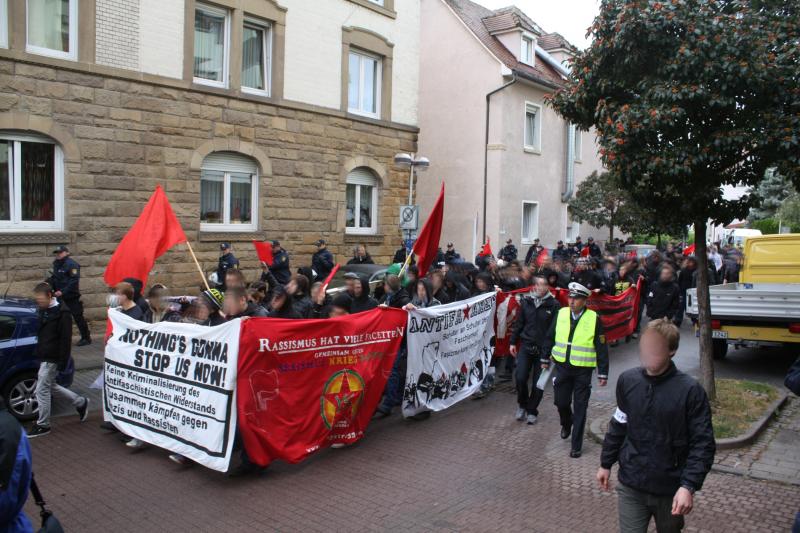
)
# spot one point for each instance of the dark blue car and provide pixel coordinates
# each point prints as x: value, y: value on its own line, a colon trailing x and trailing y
x: 19, y: 323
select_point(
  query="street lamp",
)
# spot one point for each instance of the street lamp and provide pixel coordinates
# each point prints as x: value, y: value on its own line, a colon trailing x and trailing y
x: 408, y: 160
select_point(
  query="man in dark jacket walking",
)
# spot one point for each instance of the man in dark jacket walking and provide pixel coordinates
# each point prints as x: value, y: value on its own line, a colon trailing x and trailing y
x: 661, y: 435
x: 280, y: 263
x: 509, y: 252
x: 535, y: 327
x: 322, y: 261
x: 65, y: 282
x: 53, y: 345
x: 227, y: 261
x: 664, y: 296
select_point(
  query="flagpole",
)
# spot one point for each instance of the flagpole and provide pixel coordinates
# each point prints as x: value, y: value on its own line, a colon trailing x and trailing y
x: 405, y: 265
x: 205, y: 281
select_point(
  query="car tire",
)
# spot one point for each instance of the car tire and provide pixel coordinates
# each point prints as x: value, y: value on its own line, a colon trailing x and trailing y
x: 719, y: 349
x: 19, y: 396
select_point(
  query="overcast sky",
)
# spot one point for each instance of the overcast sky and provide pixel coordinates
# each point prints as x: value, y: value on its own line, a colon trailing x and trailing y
x: 570, y: 18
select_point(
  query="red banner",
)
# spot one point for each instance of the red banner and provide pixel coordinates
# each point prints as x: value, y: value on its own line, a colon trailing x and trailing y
x: 304, y: 385
x: 617, y: 313
x: 507, y: 309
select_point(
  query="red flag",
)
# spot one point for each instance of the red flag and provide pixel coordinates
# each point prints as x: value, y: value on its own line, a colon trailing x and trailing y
x: 304, y: 385
x: 427, y: 244
x: 585, y: 251
x: 264, y: 251
x: 689, y: 250
x: 155, y: 231
x: 486, y: 250
x: 541, y: 258
x: 330, y: 277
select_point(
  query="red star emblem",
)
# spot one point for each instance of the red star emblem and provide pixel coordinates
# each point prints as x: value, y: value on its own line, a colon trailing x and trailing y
x: 343, y: 400
x: 466, y: 312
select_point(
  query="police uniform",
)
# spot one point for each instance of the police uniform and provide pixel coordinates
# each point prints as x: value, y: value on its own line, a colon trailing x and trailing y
x: 66, y: 279
x: 280, y: 265
x: 579, y: 347
x: 227, y: 261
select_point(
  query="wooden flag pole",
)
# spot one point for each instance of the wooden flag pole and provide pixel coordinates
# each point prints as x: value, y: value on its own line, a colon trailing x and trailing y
x: 406, y: 264
x: 203, y: 276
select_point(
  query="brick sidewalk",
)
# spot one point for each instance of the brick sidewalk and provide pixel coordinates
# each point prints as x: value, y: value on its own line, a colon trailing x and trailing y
x: 471, y: 468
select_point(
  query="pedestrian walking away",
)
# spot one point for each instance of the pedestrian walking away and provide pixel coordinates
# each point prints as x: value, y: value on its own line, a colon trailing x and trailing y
x: 53, y: 347
x: 661, y: 436
x: 65, y: 281
x: 579, y: 347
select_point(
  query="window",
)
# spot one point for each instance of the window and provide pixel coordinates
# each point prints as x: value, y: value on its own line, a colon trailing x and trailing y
x: 228, y: 193
x: 361, y: 198
x: 3, y: 24
x: 211, y: 34
x: 7, y: 326
x: 530, y: 222
x: 533, y: 127
x: 573, y: 229
x: 364, y: 85
x: 52, y: 28
x: 527, y: 52
x: 256, y: 37
x: 377, y: 2
x: 31, y: 183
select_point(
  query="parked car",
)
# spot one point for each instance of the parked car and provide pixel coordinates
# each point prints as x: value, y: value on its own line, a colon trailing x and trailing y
x: 375, y: 274
x: 19, y: 323
x: 641, y: 250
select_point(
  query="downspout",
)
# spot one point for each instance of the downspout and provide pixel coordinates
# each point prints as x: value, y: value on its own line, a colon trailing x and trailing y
x: 486, y: 150
x: 569, y: 177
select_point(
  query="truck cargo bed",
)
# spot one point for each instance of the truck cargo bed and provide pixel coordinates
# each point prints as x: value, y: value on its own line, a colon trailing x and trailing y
x: 779, y: 301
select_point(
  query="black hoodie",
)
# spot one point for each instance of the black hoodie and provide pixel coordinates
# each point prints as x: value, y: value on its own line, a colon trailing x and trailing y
x: 365, y: 302
x: 147, y: 313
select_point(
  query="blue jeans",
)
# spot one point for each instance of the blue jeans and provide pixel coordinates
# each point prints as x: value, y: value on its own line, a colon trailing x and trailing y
x: 395, y: 385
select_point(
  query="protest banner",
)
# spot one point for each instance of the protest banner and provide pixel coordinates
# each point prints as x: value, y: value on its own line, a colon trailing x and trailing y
x: 507, y: 310
x: 448, y: 353
x: 618, y: 313
x: 304, y: 385
x: 173, y: 385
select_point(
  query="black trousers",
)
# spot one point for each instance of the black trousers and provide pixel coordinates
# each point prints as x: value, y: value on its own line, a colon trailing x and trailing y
x: 76, y: 309
x: 527, y: 360
x: 571, y: 388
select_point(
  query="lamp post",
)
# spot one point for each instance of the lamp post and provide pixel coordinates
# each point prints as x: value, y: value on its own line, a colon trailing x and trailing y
x: 413, y: 163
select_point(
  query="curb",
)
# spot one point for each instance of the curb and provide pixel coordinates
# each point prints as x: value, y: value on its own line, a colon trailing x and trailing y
x: 596, y: 430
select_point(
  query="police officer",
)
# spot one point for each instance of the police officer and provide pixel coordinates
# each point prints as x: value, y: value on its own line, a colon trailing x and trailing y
x: 509, y: 252
x: 65, y: 281
x: 227, y: 261
x: 579, y: 347
x: 280, y: 263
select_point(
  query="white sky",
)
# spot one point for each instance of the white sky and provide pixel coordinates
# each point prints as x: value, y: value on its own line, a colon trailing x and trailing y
x: 570, y: 18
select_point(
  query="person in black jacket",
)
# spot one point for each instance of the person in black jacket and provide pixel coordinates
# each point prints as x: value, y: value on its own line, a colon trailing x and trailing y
x: 53, y: 346
x: 661, y: 436
x: 235, y: 305
x: 509, y: 252
x: 65, y: 281
x: 362, y: 301
x: 227, y: 261
x: 282, y: 305
x: 361, y: 257
x: 139, y: 299
x: 664, y: 296
x: 535, y: 327
x: 322, y: 261
x: 394, y: 294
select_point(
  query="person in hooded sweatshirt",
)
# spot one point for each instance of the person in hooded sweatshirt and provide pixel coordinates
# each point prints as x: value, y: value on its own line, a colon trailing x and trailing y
x: 282, y: 304
x: 423, y: 296
x: 394, y: 294
x: 664, y: 296
x: 483, y: 283
x: 235, y: 305
x: 298, y: 290
x: 147, y: 313
x: 437, y: 283
x: 455, y: 286
x: 362, y: 301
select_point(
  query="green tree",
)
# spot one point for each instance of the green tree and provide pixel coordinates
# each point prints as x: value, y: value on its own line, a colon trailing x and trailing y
x: 601, y: 201
x: 769, y: 195
x: 687, y: 96
x: 789, y: 212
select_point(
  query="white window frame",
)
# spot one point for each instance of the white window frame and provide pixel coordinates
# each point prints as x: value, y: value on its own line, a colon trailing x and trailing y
x: 266, y: 27
x: 571, y: 223
x: 378, y: 2
x: 225, y: 225
x: 3, y: 23
x: 378, y: 85
x: 535, y: 145
x: 72, y: 55
x: 211, y: 10
x: 528, y: 239
x: 360, y: 182
x: 15, y: 188
x: 527, y: 48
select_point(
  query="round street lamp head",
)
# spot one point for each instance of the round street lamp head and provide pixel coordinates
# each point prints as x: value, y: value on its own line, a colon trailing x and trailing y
x: 403, y: 159
x: 422, y: 163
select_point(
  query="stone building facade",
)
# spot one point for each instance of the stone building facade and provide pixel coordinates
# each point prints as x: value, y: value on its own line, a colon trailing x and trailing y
x: 92, y: 123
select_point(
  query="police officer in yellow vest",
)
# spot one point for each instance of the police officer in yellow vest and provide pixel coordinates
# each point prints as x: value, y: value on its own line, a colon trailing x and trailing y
x: 579, y: 347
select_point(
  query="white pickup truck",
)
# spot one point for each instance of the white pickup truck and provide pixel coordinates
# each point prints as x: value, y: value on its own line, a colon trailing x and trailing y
x: 763, y: 309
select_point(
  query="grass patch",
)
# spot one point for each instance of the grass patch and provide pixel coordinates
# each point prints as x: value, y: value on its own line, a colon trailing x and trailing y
x: 739, y: 403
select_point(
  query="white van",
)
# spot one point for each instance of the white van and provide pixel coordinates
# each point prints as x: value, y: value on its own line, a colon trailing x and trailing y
x: 739, y: 235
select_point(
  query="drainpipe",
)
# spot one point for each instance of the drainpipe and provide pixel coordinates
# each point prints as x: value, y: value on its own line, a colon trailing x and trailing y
x: 486, y: 149
x: 569, y: 177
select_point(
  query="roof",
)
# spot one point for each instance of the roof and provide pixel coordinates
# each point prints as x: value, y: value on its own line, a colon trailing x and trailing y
x: 485, y: 24
x: 553, y: 41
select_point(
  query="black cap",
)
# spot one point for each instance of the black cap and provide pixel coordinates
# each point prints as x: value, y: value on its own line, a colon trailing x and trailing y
x: 60, y: 249
x: 560, y: 242
x: 320, y: 242
x: 276, y: 243
x: 591, y: 238
x: 224, y: 246
x: 509, y: 241
x: 536, y: 239
x: 351, y: 275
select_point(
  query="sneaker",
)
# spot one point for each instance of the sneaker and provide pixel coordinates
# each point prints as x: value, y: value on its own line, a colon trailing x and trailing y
x: 38, y: 431
x: 83, y: 412
x: 634, y: 335
x: 520, y: 415
x: 179, y: 459
x: 531, y: 419
x: 84, y: 342
x: 136, y: 444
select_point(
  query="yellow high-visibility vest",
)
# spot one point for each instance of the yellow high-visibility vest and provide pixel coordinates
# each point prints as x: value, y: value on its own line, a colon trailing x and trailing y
x: 581, y: 349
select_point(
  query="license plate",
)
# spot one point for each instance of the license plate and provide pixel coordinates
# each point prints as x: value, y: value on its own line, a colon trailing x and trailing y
x: 715, y: 334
